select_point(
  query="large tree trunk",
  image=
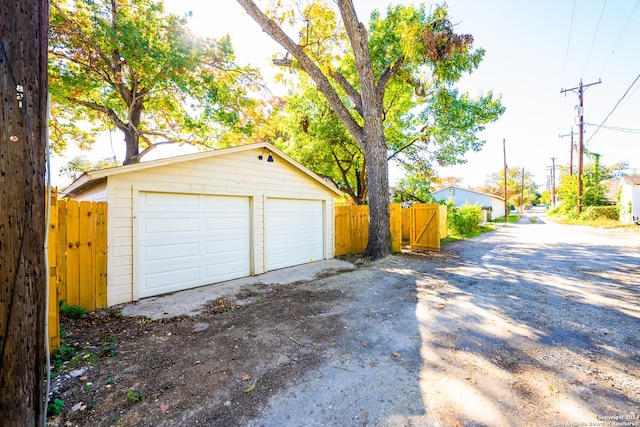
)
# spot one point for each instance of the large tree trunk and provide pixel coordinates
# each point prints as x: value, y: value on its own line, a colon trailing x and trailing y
x: 378, y: 179
x: 132, y: 144
x: 131, y: 136
x: 23, y: 61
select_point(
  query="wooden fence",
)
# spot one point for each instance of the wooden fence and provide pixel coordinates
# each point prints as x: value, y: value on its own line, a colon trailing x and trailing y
x: 352, y: 228
x: 77, y: 256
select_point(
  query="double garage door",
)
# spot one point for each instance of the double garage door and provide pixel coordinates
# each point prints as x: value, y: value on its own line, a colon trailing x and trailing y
x: 184, y: 241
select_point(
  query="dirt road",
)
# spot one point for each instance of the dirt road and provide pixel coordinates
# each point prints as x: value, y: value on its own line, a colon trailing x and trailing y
x: 535, y: 324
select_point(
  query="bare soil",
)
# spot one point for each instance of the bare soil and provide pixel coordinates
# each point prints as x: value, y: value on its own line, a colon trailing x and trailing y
x: 533, y: 324
x: 212, y: 369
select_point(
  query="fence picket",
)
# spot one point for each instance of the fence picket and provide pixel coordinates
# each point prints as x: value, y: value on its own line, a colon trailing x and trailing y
x: 100, y: 247
x: 52, y: 310
x: 73, y: 253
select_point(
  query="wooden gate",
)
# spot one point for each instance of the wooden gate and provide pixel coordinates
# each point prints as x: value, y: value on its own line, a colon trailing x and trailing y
x: 425, y: 231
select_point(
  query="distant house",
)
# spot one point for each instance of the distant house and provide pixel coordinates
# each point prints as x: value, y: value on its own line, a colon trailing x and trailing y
x: 460, y: 195
x: 630, y: 199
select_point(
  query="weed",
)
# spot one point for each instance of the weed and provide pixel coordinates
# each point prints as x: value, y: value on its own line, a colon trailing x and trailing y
x: 55, y: 407
x: 62, y: 354
x: 89, y: 357
x: 134, y: 396
x: 72, y: 311
x: 109, y: 351
x: 258, y: 299
x: 533, y: 220
x: 111, y: 381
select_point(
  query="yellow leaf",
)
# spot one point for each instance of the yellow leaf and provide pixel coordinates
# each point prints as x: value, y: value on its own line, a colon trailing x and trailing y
x: 250, y: 388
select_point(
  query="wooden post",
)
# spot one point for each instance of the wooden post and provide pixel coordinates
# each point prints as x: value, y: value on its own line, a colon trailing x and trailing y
x: 24, y: 25
x: 506, y: 204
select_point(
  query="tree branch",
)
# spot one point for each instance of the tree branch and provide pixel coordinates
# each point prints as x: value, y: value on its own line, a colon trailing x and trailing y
x: 103, y: 109
x: 358, y: 38
x: 322, y: 82
x: 346, y: 86
x: 387, y: 74
x: 136, y: 159
x: 403, y: 148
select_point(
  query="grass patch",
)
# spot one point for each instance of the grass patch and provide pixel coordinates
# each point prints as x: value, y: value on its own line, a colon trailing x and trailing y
x: 601, y: 222
x: 512, y: 218
x: 475, y: 233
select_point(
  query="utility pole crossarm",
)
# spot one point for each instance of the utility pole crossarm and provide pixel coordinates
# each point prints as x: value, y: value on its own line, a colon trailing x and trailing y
x: 580, y: 91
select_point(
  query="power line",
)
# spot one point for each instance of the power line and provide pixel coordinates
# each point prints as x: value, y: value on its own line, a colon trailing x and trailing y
x: 617, y: 128
x: 624, y: 30
x: 595, y: 34
x: 566, y: 53
x: 614, y: 109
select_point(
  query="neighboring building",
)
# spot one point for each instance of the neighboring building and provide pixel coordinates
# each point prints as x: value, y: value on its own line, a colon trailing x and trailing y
x: 630, y: 199
x: 208, y: 217
x: 460, y: 195
x: 612, y: 187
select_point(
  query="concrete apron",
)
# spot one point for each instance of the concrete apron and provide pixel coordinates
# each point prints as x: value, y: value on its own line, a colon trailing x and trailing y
x: 189, y: 302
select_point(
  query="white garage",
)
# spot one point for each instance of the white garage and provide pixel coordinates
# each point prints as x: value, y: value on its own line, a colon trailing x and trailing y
x: 204, y: 218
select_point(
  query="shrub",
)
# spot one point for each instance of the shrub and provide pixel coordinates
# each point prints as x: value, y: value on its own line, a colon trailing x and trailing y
x: 592, y: 213
x: 463, y: 220
x: 73, y: 311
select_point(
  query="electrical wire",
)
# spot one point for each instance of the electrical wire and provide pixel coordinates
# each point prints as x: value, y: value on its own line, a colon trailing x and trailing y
x: 595, y: 34
x: 624, y: 30
x: 614, y: 109
x: 566, y: 53
x: 617, y: 128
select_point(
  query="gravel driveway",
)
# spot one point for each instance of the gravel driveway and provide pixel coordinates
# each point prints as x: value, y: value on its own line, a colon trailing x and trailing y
x: 534, y: 324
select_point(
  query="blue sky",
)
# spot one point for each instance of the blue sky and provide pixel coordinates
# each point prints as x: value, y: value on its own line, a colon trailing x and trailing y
x: 533, y: 50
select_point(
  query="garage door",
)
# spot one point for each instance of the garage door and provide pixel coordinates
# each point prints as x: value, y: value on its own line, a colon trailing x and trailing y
x: 188, y: 240
x: 294, y: 232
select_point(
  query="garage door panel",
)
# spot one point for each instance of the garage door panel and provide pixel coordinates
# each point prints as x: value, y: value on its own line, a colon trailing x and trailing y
x: 295, y: 232
x: 170, y: 202
x: 164, y: 224
x: 165, y: 281
x: 206, y: 239
x: 170, y: 252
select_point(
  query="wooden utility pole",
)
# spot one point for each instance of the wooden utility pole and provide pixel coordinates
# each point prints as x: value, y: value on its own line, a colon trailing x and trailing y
x: 553, y: 182
x: 571, y: 149
x: 522, y: 193
x: 580, y: 90
x: 24, y: 25
x: 506, y: 204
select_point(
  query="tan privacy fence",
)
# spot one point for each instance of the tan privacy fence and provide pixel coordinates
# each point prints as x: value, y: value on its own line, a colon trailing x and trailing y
x: 422, y: 225
x: 77, y: 256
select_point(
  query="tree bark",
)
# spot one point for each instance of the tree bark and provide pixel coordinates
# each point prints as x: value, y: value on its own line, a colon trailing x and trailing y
x: 23, y: 61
